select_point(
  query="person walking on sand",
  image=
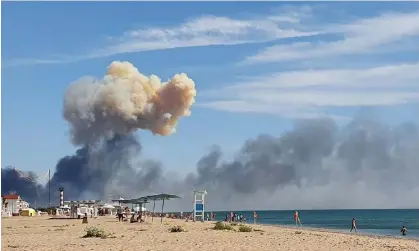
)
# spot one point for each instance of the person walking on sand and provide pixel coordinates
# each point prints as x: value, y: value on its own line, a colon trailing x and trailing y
x: 354, y: 225
x: 297, y: 219
x: 255, y: 216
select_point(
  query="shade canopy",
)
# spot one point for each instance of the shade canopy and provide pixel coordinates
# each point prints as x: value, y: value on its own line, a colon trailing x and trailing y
x: 146, y: 199
x: 162, y: 196
x: 156, y: 197
x: 108, y: 206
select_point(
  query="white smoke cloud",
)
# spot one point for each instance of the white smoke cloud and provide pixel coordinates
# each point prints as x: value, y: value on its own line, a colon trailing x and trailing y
x: 125, y: 100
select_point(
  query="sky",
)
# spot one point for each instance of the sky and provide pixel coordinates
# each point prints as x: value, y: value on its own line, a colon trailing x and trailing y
x: 258, y: 68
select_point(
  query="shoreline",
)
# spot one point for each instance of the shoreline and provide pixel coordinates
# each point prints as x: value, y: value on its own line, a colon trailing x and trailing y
x: 376, y: 222
x: 343, y: 231
x: 319, y: 229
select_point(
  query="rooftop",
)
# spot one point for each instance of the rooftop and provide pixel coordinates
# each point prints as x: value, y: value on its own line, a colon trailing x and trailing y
x: 10, y: 197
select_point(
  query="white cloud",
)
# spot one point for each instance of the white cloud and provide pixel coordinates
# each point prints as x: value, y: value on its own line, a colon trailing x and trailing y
x: 305, y: 93
x: 33, y: 61
x: 201, y: 31
x: 204, y: 31
x: 363, y: 36
x: 330, y: 98
x: 384, y: 77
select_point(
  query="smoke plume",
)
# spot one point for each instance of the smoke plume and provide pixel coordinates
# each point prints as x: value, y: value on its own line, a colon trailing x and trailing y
x: 14, y: 181
x: 124, y: 101
x: 317, y: 164
x: 103, y: 114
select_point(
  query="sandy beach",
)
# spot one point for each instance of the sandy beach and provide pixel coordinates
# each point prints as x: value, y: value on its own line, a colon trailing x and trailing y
x: 39, y: 233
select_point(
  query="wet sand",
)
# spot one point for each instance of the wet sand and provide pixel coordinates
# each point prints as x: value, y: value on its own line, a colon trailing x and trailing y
x: 41, y: 234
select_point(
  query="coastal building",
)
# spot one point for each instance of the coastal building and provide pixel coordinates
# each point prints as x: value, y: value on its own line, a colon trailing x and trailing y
x: 13, y: 203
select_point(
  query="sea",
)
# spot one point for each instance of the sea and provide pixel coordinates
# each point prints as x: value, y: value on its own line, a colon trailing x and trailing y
x: 382, y: 222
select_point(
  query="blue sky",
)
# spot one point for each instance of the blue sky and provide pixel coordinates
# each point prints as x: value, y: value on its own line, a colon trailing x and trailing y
x: 257, y: 67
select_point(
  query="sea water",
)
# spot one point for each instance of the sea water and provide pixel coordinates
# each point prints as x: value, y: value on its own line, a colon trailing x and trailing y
x: 385, y: 222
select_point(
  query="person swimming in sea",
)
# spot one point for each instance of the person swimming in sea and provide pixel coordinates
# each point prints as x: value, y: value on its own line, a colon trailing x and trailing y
x: 403, y: 230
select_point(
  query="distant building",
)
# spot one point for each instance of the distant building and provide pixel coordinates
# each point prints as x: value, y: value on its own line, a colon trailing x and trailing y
x: 13, y: 203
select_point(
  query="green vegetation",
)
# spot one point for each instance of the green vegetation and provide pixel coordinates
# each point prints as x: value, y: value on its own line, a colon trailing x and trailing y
x: 95, y: 232
x: 222, y: 226
x: 244, y: 228
x: 176, y: 229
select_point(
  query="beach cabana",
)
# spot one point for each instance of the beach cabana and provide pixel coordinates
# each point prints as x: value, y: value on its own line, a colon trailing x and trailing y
x: 28, y: 212
x: 108, y: 209
x: 85, y: 205
x: 163, y: 197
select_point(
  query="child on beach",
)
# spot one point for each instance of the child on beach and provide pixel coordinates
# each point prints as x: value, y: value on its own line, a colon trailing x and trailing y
x: 353, y: 226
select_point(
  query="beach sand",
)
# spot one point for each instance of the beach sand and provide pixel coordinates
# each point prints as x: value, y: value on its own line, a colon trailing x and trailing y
x: 39, y: 233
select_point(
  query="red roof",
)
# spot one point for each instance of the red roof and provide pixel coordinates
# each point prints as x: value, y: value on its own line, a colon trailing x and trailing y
x: 11, y: 197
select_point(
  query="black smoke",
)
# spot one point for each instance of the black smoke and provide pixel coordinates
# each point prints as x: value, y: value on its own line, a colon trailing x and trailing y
x: 93, y: 172
x: 315, y: 165
x: 24, y: 184
x: 96, y: 171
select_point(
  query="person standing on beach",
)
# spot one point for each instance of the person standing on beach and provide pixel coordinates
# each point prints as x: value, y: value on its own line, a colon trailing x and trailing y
x: 119, y: 212
x: 255, y: 216
x: 354, y: 225
x: 297, y: 219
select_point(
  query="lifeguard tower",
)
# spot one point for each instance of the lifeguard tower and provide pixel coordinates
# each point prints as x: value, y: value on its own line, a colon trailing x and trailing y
x: 198, y: 205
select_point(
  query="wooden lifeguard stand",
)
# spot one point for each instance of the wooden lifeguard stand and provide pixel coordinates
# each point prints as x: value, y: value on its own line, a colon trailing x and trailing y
x: 198, y: 205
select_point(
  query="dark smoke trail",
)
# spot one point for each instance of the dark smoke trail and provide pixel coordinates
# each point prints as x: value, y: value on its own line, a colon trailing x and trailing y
x: 369, y: 164
x: 315, y: 165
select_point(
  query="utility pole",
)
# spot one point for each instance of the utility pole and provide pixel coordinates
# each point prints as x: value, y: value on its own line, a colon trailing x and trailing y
x: 49, y: 187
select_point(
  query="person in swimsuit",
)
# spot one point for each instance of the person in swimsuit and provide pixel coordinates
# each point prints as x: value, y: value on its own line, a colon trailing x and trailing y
x: 297, y: 219
x: 354, y: 225
x: 404, y: 230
